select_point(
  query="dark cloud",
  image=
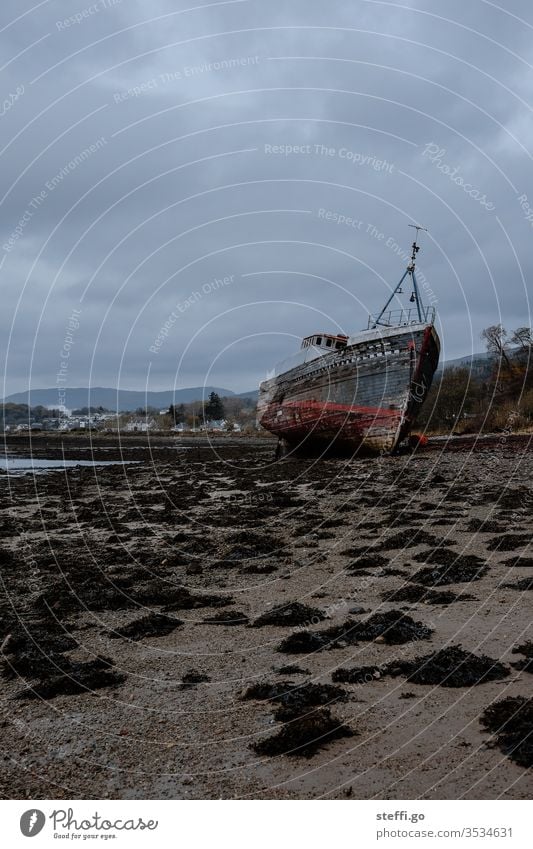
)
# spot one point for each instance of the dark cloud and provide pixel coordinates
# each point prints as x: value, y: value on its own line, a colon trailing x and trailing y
x: 150, y: 153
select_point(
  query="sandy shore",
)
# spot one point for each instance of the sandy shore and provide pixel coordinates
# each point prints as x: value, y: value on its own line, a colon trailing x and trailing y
x: 131, y: 620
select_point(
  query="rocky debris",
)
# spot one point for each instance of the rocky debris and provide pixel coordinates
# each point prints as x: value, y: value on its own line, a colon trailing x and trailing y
x: 292, y: 613
x: 305, y: 735
x: 357, y: 675
x: 152, y: 625
x: 458, y: 573
x: 511, y: 721
x: 450, y: 667
x: 227, y: 617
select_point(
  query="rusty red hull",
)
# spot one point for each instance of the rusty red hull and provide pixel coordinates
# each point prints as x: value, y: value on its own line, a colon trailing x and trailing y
x: 315, y: 419
x: 366, y: 395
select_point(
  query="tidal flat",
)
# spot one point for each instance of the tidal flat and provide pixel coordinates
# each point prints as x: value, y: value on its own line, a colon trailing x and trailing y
x: 208, y: 623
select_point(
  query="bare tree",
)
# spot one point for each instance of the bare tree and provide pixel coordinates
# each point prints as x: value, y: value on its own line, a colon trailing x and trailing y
x: 523, y: 337
x: 495, y: 338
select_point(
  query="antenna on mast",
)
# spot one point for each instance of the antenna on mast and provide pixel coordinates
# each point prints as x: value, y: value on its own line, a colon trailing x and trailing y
x: 415, y: 246
x: 410, y: 270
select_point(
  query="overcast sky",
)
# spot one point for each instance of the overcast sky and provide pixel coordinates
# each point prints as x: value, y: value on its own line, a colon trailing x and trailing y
x: 168, y: 167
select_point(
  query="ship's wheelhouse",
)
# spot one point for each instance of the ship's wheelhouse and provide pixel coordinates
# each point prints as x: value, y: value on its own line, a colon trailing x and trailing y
x: 325, y: 340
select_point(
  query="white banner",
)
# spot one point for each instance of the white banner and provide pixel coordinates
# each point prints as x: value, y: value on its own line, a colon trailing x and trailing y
x: 267, y: 824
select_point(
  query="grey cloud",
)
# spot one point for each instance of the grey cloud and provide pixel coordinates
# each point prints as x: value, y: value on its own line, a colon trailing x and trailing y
x: 165, y: 204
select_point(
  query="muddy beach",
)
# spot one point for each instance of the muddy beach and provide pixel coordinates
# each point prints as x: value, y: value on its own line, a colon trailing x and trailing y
x: 198, y: 621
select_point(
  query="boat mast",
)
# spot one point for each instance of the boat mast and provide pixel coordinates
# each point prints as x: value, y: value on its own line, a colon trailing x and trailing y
x: 410, y: 270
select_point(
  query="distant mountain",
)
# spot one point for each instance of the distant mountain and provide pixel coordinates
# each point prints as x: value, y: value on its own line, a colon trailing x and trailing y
x: 253, y: 394
x: 480, y: 365
x: 113, y: 399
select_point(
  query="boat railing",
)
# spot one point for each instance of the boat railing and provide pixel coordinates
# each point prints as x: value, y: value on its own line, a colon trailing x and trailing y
x: 402, y: 318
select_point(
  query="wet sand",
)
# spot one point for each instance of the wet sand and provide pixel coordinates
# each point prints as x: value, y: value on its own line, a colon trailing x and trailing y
x: 133, y: 640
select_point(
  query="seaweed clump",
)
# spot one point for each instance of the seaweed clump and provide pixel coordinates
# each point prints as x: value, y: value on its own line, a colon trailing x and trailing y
x: 392, y: 627
x: 511, y: 720
x: 414, y: 593
x: 450, y: 667
x: 457, y: 573
x: 305, y: 735
x: 152, y: 625
x: 295, y: 700
x: 293, y: 613
x: 75, y: 678
x: 227, y: 617
x: 357, y: 675
x: 526, y: 649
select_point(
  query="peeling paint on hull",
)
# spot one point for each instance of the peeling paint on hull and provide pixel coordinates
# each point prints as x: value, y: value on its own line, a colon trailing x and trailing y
x: 366, y: 395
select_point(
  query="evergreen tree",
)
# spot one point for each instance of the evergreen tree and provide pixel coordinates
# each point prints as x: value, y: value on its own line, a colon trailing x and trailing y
x: 213, y: 408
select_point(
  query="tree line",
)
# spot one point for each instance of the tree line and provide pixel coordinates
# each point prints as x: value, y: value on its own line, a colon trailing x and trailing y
x: 483, y: 396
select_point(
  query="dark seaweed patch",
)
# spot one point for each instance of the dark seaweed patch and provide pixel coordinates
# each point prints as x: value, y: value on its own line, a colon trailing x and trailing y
x: 305, y: 735
x: 193, y: 677
x: 259, y: 569
x: 450, y: 667
x: 180, y: 598
x: 508, y: 542
x: 303, y: 642
x: 445, y: 557
x: 294, y: 699
x: 292, y: 613
x: 522, y: 585
x: 292, y: 669
x: 408, y: 539
x: 392, y: 627
x: 357, y: 675
x: 152, y: 625
x: 418, y: 593
x: 519, y: 562
x: 227, y: 617
x: 485, y: 526
x: 36, y: 652
x: 526, y: 649
x: 369, y: 561
x: 511, y: 720
x: 75, y: 678
x: 459, y: 573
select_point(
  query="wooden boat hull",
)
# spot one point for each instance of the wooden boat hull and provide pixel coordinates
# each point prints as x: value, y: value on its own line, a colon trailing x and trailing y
x: 366, y: 395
